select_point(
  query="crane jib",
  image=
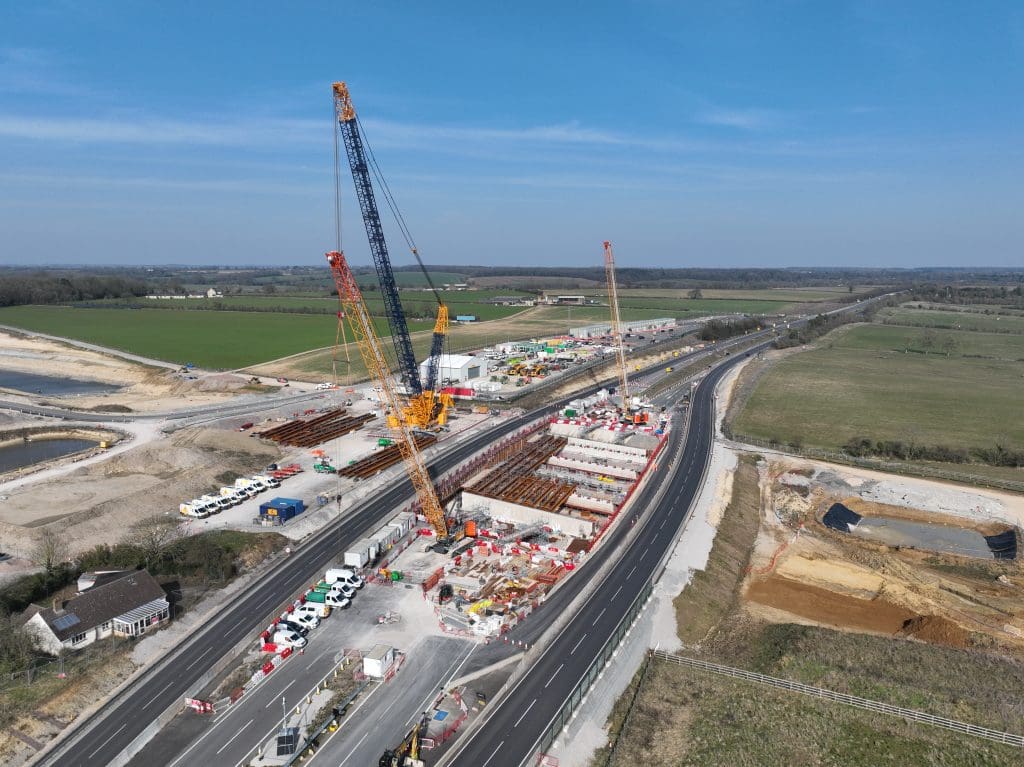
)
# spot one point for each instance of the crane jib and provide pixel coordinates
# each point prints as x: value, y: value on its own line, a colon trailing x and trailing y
x: 379, y: 250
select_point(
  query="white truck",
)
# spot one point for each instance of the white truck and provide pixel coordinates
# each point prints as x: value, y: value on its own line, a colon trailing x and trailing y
x: 247, y: 486
x: 268, y: 482
x: 344, y: 577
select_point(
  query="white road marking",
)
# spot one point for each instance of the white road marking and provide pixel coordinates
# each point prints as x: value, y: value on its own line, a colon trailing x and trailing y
x: 357, y: 745
x: 235, y: 735
x: 146, y: 704
x: 108, y: 740
x: 492, y: 754
x: 631, y: 573
x: 198, y: 658
x: 277, y: 698
x: 553, y: 676
x: 422, y: 708
x: 598, y: 616
x: 577, y: 645
x: 662, y: 523
x: 616, y: 593
x: 645, y: 552
x: 523, y: 715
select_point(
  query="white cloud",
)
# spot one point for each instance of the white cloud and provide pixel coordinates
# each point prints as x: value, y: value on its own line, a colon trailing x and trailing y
x: 743, y: 119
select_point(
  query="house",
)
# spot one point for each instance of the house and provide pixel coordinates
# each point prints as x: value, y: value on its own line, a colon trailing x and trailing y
x: 122, y: 603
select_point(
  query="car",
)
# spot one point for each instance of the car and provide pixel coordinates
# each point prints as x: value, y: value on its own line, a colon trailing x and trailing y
x: 288, y: 625
x: 344, y: 590
x: 289, y: 639
x: 324, y: 386
x: 307, y: 619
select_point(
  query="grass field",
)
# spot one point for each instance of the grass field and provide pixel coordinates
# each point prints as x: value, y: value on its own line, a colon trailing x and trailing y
x: 970, y: 321
x: 784, y: 295
x: 854, y: 383
x: 415, y: 303
x: 217, y: 340
x: 686, y: 717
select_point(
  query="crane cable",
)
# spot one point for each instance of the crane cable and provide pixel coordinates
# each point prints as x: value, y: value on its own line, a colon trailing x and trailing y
x: 392, y: 204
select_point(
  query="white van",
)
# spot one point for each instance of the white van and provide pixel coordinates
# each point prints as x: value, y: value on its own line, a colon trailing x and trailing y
x: 337, y: 599
x: 265, y: 480
x: 288, y: 638
x: 194, y: 509
x: 212, y: 503
x: 232, y: 494
x: 203, y: 507
x: 344, y: 576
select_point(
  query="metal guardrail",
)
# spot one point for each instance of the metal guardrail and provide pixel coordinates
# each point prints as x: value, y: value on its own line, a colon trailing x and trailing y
x: 914, y: 715
x: 596, y: 668
x: 889, y: 467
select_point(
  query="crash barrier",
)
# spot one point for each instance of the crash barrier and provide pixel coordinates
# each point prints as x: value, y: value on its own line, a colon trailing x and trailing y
x: 311, y: 743
x: 561, y: 719
x: 913, y: 715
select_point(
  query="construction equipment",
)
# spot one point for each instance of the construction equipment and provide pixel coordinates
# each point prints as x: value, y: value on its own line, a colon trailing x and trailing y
x: 426, y: 407
x: 365, y: 335
x: 613, y: 301
x: 406, y: 753
x: 323, y: 466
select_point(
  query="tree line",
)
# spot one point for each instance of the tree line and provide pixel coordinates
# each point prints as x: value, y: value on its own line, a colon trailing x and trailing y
x: 19, y: 289
x: 998, y: 455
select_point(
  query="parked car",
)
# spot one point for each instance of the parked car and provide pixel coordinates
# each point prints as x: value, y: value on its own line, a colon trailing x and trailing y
x: 305, y: 618
x: 288, y: 625
x: 288, y: 638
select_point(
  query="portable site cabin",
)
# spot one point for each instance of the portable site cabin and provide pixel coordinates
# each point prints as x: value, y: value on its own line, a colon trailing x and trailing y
x: 379, y: 661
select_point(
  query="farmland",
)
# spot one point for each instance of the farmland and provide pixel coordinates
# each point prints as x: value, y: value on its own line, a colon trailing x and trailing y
x: 217, y: 340
x: 860, y: 382
x: 962, y: 320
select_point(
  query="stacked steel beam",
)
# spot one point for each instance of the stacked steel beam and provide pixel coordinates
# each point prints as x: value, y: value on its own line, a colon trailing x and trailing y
x: 315, y: 431
x: 381, y: 460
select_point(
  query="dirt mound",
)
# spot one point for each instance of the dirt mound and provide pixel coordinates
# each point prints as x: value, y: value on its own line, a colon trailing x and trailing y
x: 829, y: 608
x: 936, y: 630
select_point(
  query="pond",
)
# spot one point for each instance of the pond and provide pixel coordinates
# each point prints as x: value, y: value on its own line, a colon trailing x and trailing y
x: 19, y: 454
x: 54, y: 386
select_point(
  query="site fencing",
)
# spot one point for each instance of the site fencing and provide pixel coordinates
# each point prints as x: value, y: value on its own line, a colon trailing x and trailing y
x: 889, y: 467
x: 913, y: 715
x: 65, y: 666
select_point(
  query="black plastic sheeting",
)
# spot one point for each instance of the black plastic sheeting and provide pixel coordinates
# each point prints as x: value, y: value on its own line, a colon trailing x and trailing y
x: 1003, y: 545
x: 840, y: 518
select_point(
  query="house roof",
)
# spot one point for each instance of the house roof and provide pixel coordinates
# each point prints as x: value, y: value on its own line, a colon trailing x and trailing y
x: 102, y: 603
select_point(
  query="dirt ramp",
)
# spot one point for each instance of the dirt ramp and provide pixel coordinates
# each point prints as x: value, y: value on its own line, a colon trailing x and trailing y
x: 936, y: 630
x: 829, y: 608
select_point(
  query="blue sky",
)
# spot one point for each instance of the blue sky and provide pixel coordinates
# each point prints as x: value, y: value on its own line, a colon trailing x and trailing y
x: 690, y: 134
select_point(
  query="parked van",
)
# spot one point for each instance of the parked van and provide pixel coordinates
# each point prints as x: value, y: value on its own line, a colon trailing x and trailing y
x: 264, y: 481
x: 193, y: 509
x: 214, y: 503
x: 288, y: 638
x: 203, y: 506
x: 232, y: 494
x: 344, y: 576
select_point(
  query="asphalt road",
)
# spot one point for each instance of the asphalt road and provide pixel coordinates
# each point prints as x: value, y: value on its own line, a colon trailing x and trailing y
x: 104, y: 735
x: 510, y: 734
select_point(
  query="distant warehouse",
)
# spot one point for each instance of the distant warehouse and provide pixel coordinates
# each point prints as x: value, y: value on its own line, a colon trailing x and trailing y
x: 636, y: 326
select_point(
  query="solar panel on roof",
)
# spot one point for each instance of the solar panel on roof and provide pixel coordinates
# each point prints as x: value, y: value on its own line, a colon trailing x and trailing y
x: 66, y: 621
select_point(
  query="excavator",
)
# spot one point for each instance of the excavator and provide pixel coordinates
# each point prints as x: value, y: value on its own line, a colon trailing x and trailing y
x: 426, y: 406
x: 406, y: 753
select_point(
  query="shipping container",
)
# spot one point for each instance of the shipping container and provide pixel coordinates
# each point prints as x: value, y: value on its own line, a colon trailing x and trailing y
x: 360, y: 553
x: 465, y: 318
x: 283, y: 508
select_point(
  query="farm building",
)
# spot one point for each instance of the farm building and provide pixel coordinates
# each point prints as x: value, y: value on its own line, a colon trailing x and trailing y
x: 636, y: 326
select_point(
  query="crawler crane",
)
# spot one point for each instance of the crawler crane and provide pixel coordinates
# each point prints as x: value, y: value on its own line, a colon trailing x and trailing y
x: 427, y: 407
x: 620, y: 346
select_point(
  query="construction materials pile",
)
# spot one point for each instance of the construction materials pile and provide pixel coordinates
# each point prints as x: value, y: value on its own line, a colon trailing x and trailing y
x: 377, y: 462
x: 513, y: 480
x: 315, y: 431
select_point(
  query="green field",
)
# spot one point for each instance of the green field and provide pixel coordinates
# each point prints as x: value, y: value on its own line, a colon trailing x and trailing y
x: 415, y: 303
x: 216, y: 340
x: 954, y: 320
x: 785, y: 295
x: 858, y: 382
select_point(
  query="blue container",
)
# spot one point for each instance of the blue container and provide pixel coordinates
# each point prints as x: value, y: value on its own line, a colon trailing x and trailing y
x: 465, y: 318
x: 285, y: 508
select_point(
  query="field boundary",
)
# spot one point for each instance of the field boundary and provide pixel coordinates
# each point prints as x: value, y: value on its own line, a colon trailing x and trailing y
x: 888, y: 467
x: 913, y: 715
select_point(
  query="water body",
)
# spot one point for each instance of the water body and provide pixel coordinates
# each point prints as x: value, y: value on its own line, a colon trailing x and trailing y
x: 20, y: 454
x: 53, y: 386
x: 920, y: 535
